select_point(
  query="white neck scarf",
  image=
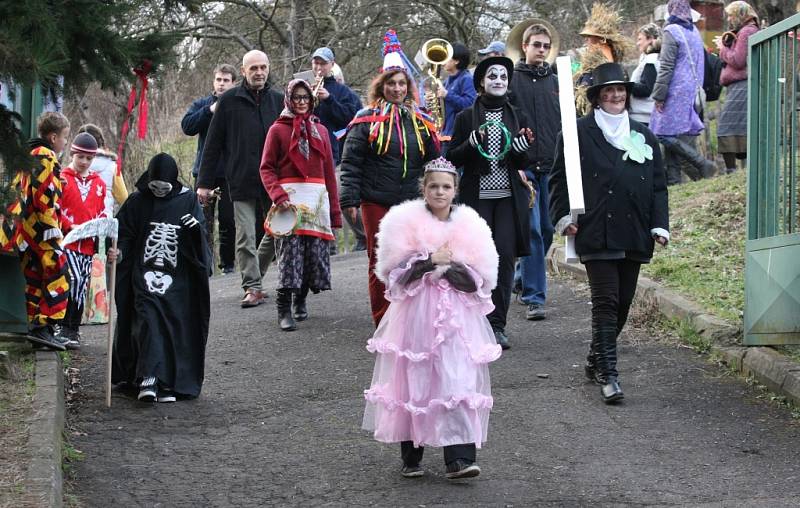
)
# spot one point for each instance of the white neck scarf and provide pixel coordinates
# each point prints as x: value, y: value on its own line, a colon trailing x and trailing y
x: 615, y: 127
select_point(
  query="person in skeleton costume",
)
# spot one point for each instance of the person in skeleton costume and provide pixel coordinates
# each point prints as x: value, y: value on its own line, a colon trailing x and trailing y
x: 491, y: 141
x: 297, y: 170
x: 162, y: 287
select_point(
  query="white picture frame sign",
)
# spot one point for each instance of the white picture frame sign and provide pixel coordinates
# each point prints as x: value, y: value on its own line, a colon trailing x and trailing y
x: 572, y: 154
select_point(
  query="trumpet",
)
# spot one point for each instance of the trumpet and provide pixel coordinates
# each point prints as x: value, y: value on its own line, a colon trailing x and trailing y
x: 436, y: 52
x: 319, y: 81
x: 728, y: 38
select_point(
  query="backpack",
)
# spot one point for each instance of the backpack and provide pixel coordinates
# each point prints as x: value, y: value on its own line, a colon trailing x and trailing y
x: 713, y: 69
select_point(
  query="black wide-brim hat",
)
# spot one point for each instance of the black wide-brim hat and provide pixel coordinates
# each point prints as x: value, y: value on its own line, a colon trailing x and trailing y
x: 607, y: 74
x: 483, y: 66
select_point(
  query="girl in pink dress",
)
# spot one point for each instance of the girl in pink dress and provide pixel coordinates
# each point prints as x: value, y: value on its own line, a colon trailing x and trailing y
x: 430, y: 386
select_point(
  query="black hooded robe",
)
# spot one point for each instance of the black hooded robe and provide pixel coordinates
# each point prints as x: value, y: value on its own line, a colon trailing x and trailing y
x: 162, y: 295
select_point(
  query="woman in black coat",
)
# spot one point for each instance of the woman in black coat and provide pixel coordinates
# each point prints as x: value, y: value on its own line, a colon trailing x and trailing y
x: 493, y: 159
x: 625, y: 198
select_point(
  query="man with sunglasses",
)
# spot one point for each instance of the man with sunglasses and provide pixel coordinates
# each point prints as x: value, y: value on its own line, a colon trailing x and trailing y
x: 534, y: 89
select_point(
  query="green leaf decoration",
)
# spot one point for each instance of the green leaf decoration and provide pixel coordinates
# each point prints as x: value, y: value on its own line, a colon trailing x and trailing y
x: 636, y: 148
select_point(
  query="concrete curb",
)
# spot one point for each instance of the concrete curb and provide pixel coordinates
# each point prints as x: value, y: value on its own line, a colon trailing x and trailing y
x: 766, y: 365
x: 45, y: 480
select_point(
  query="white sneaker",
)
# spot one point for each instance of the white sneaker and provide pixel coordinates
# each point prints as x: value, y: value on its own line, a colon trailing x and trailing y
x: 147, y: 390
x: 165, y: 396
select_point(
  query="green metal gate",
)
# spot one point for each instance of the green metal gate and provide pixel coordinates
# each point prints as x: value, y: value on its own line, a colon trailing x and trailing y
x: 772, y: 262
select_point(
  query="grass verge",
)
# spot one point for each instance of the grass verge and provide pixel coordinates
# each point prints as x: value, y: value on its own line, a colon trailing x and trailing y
x: 16, y: 399
x: 705, y: 257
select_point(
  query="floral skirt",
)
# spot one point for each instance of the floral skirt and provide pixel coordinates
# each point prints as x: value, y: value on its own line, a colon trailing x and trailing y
x: 304, y: 261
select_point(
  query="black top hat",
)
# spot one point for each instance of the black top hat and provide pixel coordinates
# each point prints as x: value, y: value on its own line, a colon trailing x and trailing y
x: 483, y: 66
x: 607, y: 74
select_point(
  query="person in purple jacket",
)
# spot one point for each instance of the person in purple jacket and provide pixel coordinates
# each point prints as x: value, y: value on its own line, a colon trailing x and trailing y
x: 674, y: 119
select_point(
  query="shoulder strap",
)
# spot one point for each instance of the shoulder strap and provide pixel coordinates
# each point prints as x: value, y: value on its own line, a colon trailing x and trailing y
x: 691, y: 60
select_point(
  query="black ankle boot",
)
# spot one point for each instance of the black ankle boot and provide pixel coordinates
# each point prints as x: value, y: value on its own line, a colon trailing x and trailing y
x: 611, y: 391
x: 283, y: 300
x: 606, y: 363
x: 299, y: 309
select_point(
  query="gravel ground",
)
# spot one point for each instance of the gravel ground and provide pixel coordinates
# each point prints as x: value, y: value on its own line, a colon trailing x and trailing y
x: 278, y: 423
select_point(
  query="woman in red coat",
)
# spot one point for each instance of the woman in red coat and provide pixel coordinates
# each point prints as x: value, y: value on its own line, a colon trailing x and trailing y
x: 297, y: 170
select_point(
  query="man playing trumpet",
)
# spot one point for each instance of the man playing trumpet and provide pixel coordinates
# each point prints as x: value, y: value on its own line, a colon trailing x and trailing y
x: 338, y: 104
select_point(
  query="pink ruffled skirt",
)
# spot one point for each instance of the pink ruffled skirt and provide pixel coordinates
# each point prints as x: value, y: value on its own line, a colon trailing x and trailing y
x: 431, y: 380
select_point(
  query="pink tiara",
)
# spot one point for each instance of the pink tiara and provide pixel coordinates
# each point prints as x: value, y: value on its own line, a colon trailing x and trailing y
x: 441, y: 165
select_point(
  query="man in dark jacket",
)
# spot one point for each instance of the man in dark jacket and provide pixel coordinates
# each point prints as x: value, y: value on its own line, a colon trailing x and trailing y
x: 195, y: 123
x: 534, y: 89
x: 338, y: 105
x: 238, y: 129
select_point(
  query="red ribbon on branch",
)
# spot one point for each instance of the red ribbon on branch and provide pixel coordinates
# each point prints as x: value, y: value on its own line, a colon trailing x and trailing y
x: 141, y: 128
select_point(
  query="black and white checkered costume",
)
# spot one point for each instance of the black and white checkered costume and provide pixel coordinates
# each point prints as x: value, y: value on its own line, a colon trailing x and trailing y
x: 496, y: 184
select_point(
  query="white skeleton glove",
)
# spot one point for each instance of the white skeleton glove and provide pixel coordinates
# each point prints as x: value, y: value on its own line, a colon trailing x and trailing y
x: 520, y: 143
x: 189, y: 221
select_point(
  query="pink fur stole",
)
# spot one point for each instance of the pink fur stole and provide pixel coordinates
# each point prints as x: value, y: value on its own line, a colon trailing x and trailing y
x: 409, y: 228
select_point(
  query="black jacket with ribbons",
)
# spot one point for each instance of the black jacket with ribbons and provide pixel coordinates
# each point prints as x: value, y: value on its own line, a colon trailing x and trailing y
x: 623, y: 199
x: 236, y: 136
x: 385, y: 179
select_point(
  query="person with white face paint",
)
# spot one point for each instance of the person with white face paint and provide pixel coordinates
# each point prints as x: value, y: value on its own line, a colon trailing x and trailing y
x: 490, y: 142
x: 162, y: 277
x: 625, y: 196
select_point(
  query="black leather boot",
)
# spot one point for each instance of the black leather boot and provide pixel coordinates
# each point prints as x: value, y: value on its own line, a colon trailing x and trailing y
x: 283, y: 300
x: 590, y: 369
x: 699, y: 167
x: 299, y: 309
x: 606, y: 364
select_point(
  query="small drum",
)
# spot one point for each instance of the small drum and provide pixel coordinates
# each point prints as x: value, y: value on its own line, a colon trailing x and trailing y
x: 281, y: 222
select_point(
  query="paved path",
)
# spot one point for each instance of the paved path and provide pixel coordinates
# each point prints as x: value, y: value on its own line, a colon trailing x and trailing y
x: 278, y: 421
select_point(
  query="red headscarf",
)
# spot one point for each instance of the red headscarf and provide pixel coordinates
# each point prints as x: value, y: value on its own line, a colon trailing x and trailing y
x: 305, y: 135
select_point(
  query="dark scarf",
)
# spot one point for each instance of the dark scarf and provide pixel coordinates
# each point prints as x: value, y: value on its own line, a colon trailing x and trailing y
x: 540, y: 71
x: 685, y: 23
x: 305, y: 135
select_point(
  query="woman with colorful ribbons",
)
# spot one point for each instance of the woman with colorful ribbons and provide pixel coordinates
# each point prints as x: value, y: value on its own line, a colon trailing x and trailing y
x: 386, y: 146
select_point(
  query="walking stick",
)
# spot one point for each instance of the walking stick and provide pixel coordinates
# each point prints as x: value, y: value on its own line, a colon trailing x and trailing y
x: 104, y: 227
x: 110, y: 343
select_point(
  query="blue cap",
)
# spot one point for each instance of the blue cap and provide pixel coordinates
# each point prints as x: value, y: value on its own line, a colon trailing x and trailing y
x: 493, y: 47
x: 324, y: 53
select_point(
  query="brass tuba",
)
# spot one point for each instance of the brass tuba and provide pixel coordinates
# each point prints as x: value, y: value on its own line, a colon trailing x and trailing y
x: 435, y: 52
x: 514, y: 40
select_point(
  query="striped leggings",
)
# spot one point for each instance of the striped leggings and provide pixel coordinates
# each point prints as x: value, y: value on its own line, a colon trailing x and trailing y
x: 80, y: 270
